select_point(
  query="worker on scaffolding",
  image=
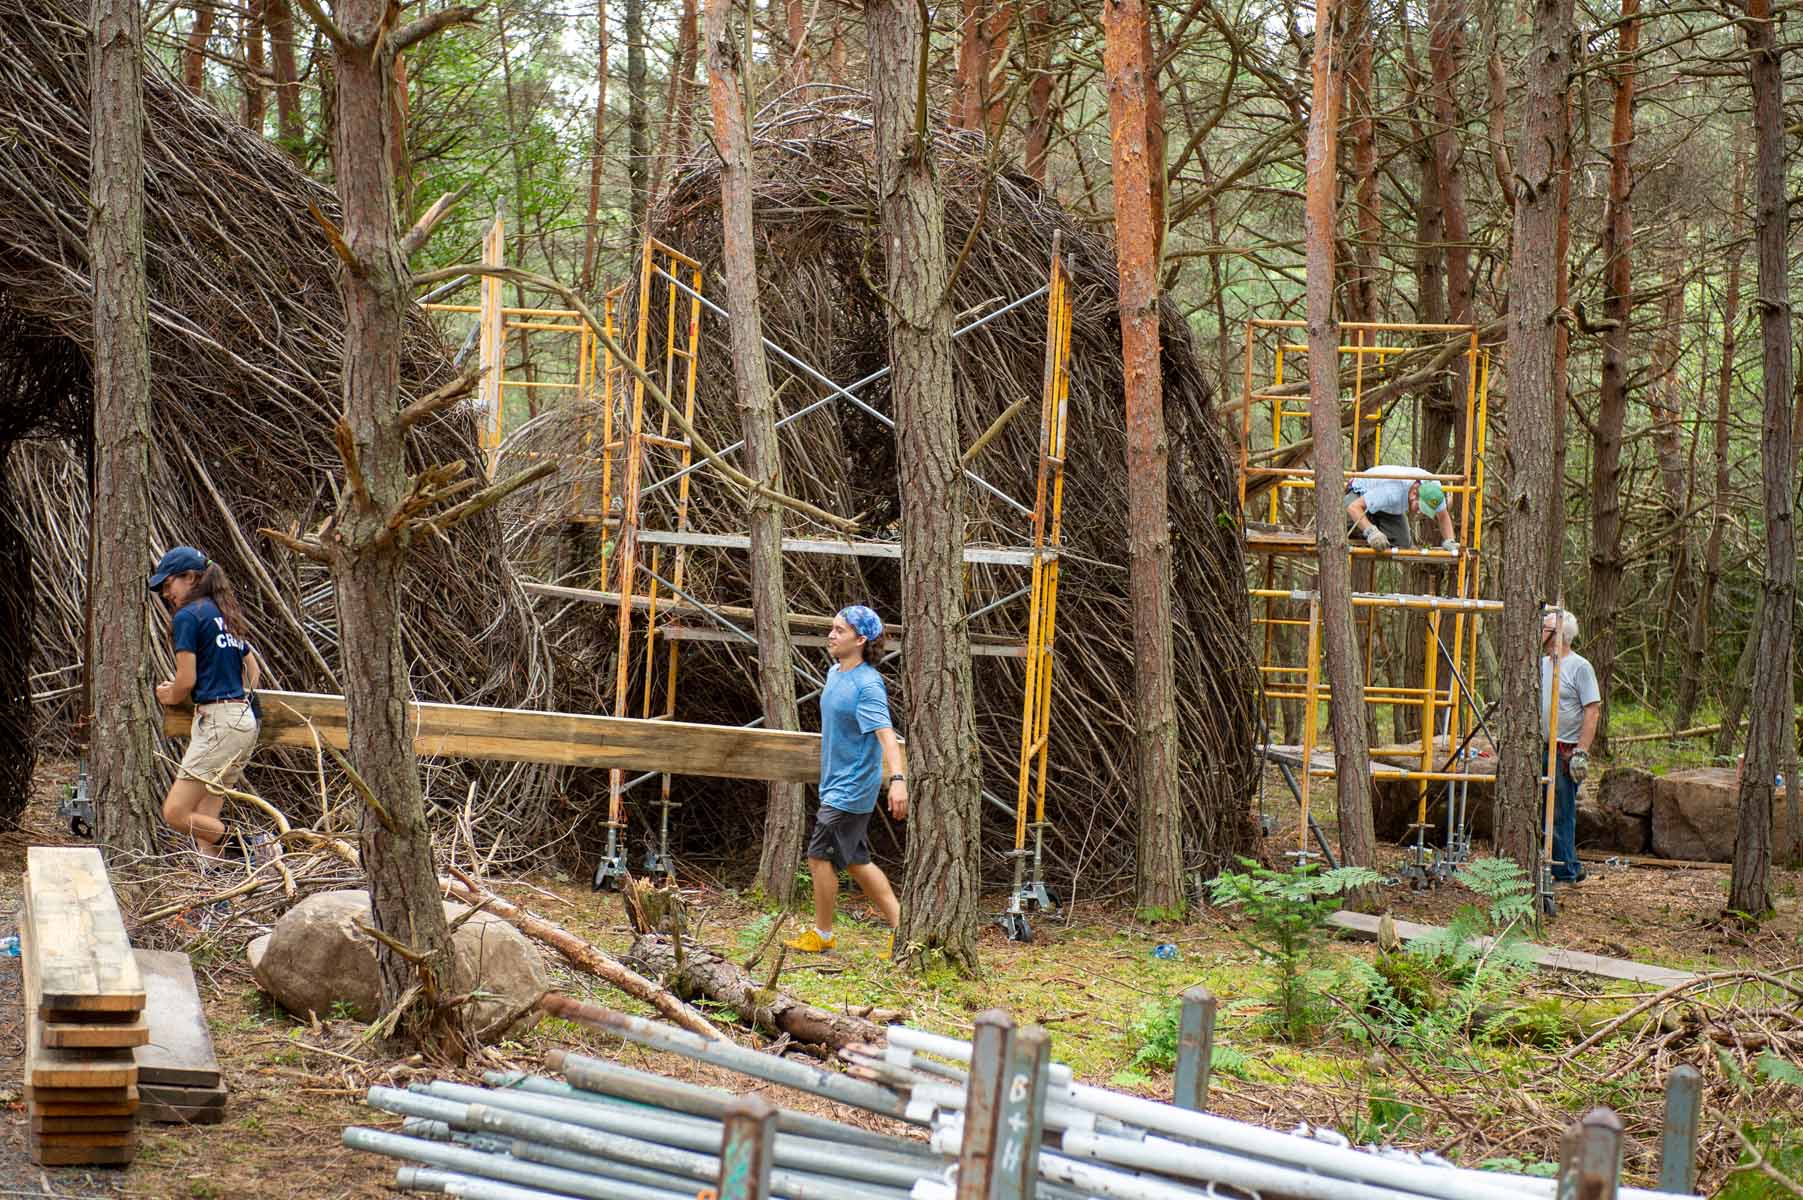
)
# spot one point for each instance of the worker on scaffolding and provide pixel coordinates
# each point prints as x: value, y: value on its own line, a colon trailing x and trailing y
x: 860, y: 757
x: 1580, y: 708
x: 1379, y: 507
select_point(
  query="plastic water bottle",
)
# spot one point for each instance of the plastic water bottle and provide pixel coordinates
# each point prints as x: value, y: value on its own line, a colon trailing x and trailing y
x: 1165, y: 950
x: 9, y: 945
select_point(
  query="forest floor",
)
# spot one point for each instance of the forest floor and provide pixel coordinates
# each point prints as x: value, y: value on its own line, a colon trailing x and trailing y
x: 1089, y: 976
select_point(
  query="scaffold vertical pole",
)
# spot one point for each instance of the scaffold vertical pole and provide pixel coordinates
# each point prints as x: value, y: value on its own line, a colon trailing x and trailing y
x: 1310, y: 716
x: 491, y: 347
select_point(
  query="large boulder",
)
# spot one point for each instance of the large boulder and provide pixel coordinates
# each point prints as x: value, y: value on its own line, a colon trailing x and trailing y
x: 316, y: 958
x: 1618, y: 818
x: 1696, y: 814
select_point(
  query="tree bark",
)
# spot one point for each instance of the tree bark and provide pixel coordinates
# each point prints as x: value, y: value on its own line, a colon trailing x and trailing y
x: 785, y: 820
x: 1339, y: 640
x: 939, y: 897
x: 1139, y: 220
x: 255, y: 103
x: 597, y: 157
x: 673, y: 138
x: 279, y: 19
x: 697, y: 971
x: 365, y: 551
x: 1690, y: 672
x: 1666, y: 409
x: 1530, y: 493
x: 125, y: 720
x: 1773, y: 704
x: 801, y: 60
x: 1445, y: 51
x: 1361, y: 289
x: 638, y: 120
x: 1041, y: 113
x: 1612, y: 397
x: 194, y: 54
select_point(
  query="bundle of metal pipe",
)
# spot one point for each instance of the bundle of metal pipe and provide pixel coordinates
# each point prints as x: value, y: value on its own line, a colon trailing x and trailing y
x: 1006, y: 1122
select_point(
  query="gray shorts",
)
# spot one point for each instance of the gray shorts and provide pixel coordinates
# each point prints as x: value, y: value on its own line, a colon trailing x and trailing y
x: 1396, y: 527
x: 840, y: 837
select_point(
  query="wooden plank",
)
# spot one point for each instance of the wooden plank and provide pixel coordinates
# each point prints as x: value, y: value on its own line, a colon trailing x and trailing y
x: 182, y: 1097
x: 89, y: 1140
x: 116, y: 1109
x: 994, y: 555
x: 50, y: 1095
x: 1551, y: 958
x: 84, y: 961
x: 87, y: 1037
x: 563, y: 739
x: 180, y: 1050
x: 48, y: 1067
x: 81, y: 1156
x: 122, y: 1124
x: 177, y: 1114
x: 695, y: 633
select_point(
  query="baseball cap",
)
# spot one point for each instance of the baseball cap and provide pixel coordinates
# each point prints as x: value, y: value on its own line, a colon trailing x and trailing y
x: 863, y: 621
x: 1433, y: 497
x: 176, y: 561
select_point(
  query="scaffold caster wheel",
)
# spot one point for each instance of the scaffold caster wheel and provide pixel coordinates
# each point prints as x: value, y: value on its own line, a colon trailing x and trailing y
x: 1016, y: 927
x: 657, y: 863
x: 80, y: 828
x: 1549, y: 906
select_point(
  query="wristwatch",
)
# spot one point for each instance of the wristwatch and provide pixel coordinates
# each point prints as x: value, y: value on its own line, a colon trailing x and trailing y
x: 897, y: 779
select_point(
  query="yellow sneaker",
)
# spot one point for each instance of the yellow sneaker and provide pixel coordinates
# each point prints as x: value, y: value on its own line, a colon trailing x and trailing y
x: 810, y: 942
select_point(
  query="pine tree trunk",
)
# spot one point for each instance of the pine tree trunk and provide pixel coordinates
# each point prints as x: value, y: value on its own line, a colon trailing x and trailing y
x: 1530, y: 493
x: 1361, y: 289
x: 125, y: 719
x: 785, y: 819
x: 638, y: 119
x: 1773, y: 703
x: 194, y: 54
x: 1666, y: 409
x: 597, y: 157
x: 1138, y: 190
x: 940, y: 894
x: 1339, y: 639
x: 1612, y: 397
x: 1690, y: 672
x: 366, y: 559
x: 280, y: 21
x: 1041, y: 113
x: 255, y: 103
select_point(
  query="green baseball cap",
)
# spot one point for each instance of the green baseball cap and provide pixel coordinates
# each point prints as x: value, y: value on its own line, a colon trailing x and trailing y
x: 1432, y: 496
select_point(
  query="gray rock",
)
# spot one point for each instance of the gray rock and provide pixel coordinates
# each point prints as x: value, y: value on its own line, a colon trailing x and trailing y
x: 1627, y: 790
x: 1696, y: 814
x: 317, y: 957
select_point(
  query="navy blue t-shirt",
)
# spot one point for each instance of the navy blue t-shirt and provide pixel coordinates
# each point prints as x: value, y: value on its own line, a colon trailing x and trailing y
x: 199, y: 628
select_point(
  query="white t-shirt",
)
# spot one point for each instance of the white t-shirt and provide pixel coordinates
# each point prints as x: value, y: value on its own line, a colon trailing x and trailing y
x: 1577, y: 690
x: 1391, y: 493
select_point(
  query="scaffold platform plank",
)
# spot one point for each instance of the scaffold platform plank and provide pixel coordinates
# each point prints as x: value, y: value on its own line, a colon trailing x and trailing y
x: 995, y: 555
x: 1551, y: 958
x: 560, y: 739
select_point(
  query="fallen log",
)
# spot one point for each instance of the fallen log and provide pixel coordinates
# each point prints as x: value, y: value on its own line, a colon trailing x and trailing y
x: 580, y: 954
x: 699, y: 971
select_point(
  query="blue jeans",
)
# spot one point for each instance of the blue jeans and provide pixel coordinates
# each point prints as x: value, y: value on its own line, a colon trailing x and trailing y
x: 1565, y: 824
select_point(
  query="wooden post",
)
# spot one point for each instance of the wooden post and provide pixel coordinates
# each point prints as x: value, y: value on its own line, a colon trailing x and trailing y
x: 747, y: 1148
x: 1678, y: 1141
x: 491, y: 345
x: 992, y: 1044
x: 1195, y: 1049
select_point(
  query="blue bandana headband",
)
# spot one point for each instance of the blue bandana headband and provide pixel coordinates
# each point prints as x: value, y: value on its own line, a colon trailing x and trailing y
x: 863, y: 621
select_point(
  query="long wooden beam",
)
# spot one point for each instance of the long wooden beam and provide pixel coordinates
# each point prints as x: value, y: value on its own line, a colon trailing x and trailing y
x: 560, y: 739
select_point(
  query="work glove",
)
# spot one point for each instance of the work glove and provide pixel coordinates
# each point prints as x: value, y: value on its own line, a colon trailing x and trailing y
x: 1374, y: 537
x: 1450, y: 545
x: 1579, y: 765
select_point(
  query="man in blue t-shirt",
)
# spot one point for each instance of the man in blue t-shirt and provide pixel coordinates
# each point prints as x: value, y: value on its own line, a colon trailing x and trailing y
x: 1380, y: 504
x: 859, y: 758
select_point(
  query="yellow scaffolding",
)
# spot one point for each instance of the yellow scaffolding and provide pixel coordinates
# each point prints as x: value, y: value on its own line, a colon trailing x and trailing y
x: 1379, y: 366
x: 638, y: 539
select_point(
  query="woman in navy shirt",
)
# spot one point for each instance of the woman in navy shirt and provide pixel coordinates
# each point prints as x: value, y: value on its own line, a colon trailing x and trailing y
x: 215, y: 666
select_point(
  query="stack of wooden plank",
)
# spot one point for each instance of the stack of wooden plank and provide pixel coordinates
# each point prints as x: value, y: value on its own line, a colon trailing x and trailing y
x: 84, y: 1011
x: 178, y: 1074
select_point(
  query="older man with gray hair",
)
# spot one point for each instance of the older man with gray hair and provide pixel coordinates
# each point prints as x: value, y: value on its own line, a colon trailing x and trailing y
x: 1580, y: 706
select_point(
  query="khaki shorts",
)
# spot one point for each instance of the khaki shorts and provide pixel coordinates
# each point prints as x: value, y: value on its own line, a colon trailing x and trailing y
x: 224, y: 735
